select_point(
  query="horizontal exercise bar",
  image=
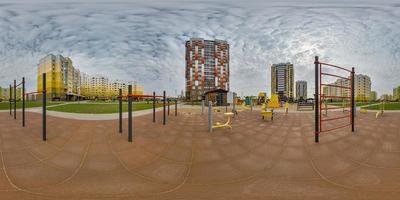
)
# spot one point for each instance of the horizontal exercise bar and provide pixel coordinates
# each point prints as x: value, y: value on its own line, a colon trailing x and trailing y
x: 334, y: 118
x: 335, y: 128
x: 335, y: 97
x: 326, y: 64
x: 334, y: 108
x: 337, y: 76
x: 145, y: 96
x: 19, y: 84
x: 339, y: 86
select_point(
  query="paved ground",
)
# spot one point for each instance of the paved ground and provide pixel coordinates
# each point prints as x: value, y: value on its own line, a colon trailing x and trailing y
x: 255, y: 160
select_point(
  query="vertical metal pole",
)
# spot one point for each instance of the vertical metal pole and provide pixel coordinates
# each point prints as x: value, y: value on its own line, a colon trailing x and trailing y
x: 168, y: 106
x: 23, y: 101
x: 316, y: 99
x: 129, y: 113
x: 44, y: 91
x: 251, y: 104
x: 120, y: 110
x: 352, y: 100
x: 210, y: 116
x: 176, y: 107
x: 154, y: 107
x: 165, y: 99
x: 226, y: 102
x: 202, y: 106
x: 234, y: 103
x: 15, y: 99
x: 10, y: 100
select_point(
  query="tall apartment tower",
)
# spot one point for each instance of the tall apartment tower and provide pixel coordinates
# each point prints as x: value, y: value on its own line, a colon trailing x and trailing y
x: 282, y: 81
x: 63, y: 80
x: 301, y: 90
x: 207, y: 67
x: 362, y: 87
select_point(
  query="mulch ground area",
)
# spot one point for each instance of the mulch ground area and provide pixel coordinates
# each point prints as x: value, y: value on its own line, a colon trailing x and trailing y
x: 256, y: 159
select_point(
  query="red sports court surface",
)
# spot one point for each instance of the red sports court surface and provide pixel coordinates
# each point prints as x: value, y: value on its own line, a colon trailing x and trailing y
x: 254, y: 160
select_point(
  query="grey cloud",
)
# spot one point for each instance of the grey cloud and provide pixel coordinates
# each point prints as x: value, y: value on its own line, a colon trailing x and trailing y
x: 144, y: 41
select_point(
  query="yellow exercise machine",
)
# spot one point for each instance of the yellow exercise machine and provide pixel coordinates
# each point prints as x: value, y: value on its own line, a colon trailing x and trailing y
x: 265, y: 113
x: 380, y: 112
x: 227, y: 124
x: 212, y: 126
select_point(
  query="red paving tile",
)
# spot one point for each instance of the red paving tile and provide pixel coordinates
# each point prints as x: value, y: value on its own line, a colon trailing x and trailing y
x: 255, y: 160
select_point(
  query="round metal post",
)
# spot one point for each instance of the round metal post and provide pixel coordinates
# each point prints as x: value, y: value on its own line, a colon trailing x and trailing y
x: 120, y: 110
x: 316, y: 99
x: 44, y: 91
x: 154, y: 107
x: 168, y: 106
x: 176, y: 107
x: 165, y: 99
x: 129, y: 113
x: 202, y: 106
x: 15, y: 99
x: 210, y: 116
x: 352, y: 100
x: 23, y: 101
x: 10, y: 100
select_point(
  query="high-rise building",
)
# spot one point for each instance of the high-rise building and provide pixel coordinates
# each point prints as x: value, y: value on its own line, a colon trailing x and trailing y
x: 362, y: 87
x: 55, y: 69
x: 373, y: 96
x: 207, y: 67
x: 98, y: 87
x: 5, y: 93
x: 282, y: 81
x: 65, y: 82
x: 301, y: 90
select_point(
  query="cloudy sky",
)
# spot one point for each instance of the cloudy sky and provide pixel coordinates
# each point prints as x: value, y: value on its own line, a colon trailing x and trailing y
x: 144, y: 40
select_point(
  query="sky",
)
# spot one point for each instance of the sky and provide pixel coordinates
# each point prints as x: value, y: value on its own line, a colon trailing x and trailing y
x: 144, y: 41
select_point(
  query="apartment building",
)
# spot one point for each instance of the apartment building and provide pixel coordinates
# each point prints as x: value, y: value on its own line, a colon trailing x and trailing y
x: 65, y: 82
x: 207, y: 67
x: 301, y: 90
x: 282, y: 81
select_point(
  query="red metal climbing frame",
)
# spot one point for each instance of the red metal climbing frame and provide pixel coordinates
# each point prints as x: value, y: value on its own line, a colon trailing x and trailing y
x: 320, y: 97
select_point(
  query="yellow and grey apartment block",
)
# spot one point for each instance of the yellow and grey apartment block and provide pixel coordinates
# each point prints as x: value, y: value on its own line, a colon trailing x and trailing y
x: 65, y: 82
x: 362, y: 88
x: 5, y: 94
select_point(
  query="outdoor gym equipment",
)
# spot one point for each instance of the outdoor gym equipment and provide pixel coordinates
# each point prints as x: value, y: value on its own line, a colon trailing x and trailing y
x: 286, y: 107
x: 382, y: 109
x: 319, y: 98
x: 265, y: 113
x: 212, y: 126
x: 130, y: 108
x: 13, y: 102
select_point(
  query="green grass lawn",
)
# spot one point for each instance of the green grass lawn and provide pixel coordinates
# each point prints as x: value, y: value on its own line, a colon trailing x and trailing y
x: 388, y: 106
x: 89, y: 108
x: 28, y: 104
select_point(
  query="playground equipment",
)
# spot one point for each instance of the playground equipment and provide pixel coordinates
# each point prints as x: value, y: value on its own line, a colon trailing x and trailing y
x: 212, y: 126
x: 319, y: 98
x: 286, y: 107
x: 273, y: 102
x: 153, y: 97
x: 382, y: 109
x: 265, y: 113
x: 13, y: 102
x: 262, y: 98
